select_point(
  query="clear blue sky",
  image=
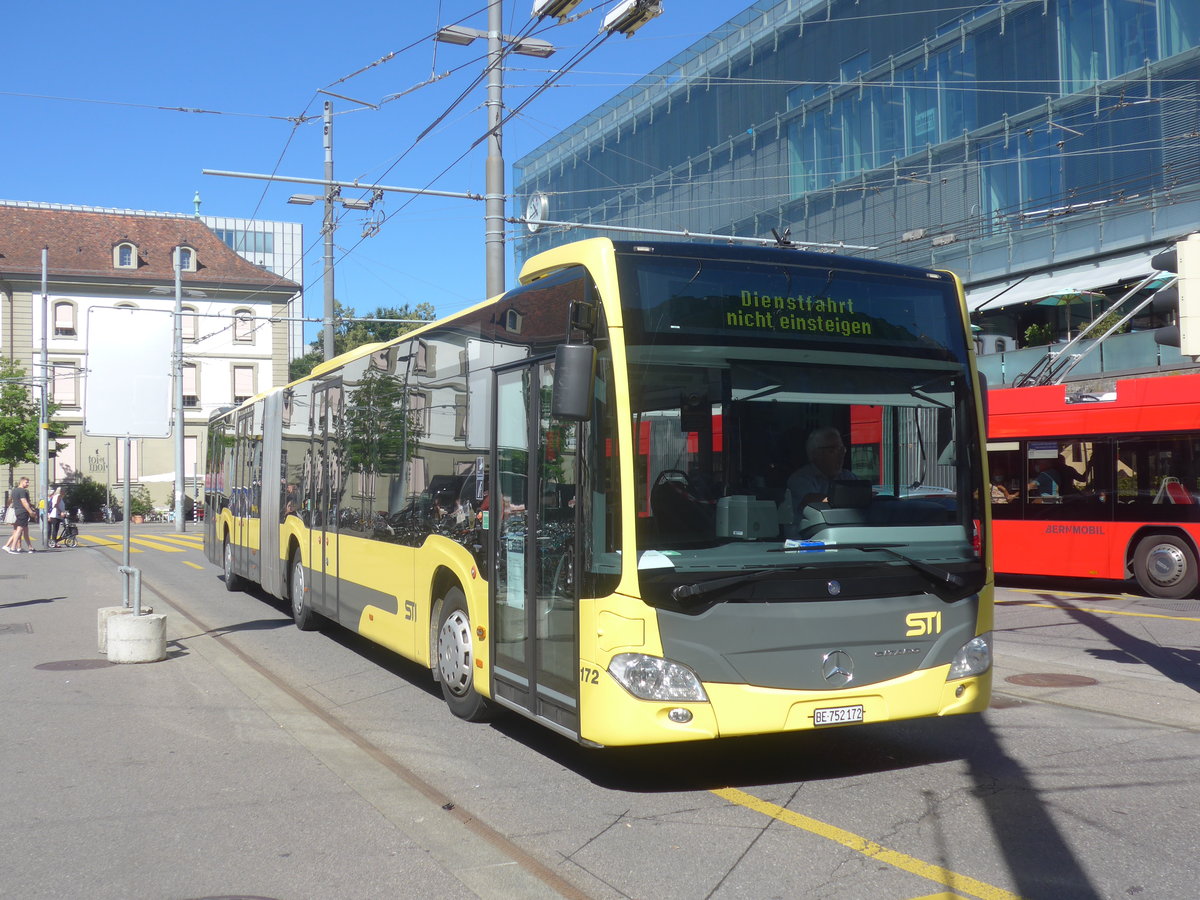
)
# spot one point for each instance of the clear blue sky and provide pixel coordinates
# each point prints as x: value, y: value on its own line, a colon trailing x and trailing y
x: 90, y: 96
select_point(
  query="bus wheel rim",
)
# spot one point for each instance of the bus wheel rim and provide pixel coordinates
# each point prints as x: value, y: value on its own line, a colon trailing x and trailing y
x: 1166, y: 564
x: 297, y: 589
x: 454, y: 653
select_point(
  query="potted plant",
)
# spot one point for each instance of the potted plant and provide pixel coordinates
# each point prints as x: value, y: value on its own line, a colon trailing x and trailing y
x: 140, y: 504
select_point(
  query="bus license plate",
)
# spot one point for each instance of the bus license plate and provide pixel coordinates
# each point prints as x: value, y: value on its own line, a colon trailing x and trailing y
x: 838, y: 715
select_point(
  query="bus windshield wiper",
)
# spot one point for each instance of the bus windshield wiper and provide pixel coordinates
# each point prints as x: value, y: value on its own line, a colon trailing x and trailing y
x: 685, y: 592
x: 938, y: 576
x: 935, y: 574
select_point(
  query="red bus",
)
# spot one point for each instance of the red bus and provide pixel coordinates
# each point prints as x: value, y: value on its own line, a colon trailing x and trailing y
x: 1099, y: 485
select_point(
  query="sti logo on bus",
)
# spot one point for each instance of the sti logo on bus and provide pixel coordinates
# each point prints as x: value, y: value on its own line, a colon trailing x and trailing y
x: 923, y: 623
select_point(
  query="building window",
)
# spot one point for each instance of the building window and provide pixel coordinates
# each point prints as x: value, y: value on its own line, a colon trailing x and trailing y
x: 189, y: 323
x: 64, y: 319
x: 191, y: 462
x: 125, y: 256
x: 243, y: 242
x: 191, y: 390
x: 65, y: 385
x: 187, y: 259
x: 243, y: 326
x: 65, y: 467
x: 118, y: 452
x: 243, y: 383
x: 512, y: 321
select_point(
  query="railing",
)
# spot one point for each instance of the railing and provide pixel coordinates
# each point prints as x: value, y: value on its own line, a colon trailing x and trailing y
x: 1119, y: 354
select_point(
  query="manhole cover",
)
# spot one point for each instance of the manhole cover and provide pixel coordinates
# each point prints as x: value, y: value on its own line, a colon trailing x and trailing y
x: 72, y: 665
x: 1187, y: 606
x: 16, y: 628
x: 1050, y: 679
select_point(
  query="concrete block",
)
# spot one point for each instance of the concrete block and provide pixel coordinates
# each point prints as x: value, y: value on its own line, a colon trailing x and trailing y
x: 137, y: 639
x: 103, y: 614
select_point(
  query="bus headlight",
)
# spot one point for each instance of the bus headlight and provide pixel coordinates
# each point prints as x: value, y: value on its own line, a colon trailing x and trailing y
x: 973, y: 658
x: 654, y: 678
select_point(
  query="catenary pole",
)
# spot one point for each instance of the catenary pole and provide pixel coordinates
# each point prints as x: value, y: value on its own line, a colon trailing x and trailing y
x: 180, y: 518
x: 327, y: 228
x: 494, y: 171
x: 43, y: 487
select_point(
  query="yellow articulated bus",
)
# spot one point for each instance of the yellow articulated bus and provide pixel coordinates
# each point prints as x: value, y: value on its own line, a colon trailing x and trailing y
x: 659, y: 492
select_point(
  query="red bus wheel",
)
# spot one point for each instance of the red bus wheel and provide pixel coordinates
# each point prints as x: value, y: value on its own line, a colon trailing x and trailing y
x: 1165, y: 566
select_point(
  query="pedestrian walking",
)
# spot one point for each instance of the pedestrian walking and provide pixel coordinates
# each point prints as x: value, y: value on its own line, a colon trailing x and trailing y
x: 25, y: 513
x: 56, y: 513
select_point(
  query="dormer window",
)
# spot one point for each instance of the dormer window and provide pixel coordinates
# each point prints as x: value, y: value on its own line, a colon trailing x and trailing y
x: 125, y: 255
x: 187, y: 259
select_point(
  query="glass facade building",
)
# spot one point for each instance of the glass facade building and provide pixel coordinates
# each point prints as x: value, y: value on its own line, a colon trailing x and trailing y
x: 1016, y: 143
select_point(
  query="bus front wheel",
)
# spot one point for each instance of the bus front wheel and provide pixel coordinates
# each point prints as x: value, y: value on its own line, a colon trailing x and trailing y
x: 302, y: 612
x: 1165, y: 566
x: 456, y: 659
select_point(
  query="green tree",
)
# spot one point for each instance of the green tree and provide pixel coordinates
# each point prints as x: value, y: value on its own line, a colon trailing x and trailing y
x: 19, y: 416
x: 88, y: 495
x: 348, y: 334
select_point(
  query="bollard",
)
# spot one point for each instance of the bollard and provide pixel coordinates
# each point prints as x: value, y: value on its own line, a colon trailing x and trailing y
x: 137, y: 639
x: 103, y: 614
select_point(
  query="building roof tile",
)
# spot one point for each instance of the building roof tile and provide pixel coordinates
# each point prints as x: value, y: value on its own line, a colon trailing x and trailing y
x: 80, y: 244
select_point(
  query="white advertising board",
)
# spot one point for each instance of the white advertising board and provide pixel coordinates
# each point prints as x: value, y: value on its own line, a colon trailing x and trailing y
x: 127, y: 390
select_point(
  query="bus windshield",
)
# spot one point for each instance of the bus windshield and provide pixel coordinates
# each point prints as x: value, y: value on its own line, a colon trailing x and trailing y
x: 799, y: 416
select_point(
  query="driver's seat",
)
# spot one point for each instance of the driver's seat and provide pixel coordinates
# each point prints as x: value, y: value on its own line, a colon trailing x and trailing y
x: 678, y: 515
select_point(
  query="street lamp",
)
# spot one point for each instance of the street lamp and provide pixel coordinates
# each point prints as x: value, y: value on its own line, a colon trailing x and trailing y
x: 630, y: 15
x: 494, y: 166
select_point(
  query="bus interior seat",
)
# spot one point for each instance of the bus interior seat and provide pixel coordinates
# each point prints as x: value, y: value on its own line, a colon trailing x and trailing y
x: 678, y: 514
x: 1172, y: 491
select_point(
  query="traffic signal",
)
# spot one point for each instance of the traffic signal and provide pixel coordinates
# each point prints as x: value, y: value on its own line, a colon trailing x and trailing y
x: 1182, y: 298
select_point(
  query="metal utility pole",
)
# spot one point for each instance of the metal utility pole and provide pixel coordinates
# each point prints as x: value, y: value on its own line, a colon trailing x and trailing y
x: 494, y: 164
x: 180, y: 518
x: 331, y: 192
x: 43, y: 487
x: 494, y: 167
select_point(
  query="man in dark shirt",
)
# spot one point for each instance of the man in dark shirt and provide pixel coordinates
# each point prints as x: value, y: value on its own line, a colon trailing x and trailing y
x: 25, y: 514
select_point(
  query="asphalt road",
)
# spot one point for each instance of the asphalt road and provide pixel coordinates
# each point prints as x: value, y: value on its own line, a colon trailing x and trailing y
x: 1078, y: 782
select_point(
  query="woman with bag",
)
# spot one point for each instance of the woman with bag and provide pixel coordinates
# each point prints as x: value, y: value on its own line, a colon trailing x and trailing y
x: 56, y: 512
x: 25, y: 513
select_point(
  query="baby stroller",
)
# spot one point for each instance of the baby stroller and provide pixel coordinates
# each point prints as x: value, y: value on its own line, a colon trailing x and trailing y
x: 68, y: 534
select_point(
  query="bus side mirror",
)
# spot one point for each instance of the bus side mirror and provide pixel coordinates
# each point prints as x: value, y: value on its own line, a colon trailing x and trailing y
x: 574, y: 381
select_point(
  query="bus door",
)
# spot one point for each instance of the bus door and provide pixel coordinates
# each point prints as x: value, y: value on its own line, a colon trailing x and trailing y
x: 327, y: 409
x: 241, y: 493
x: 532, y: 519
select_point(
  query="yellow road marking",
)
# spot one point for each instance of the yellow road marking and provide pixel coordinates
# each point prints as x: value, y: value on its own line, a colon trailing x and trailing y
x: 190, y: 543
x: 953, y: 880
x: 165, y: 548
x: 192, y: 564
x: 105, y: 542
x: 1089, y: 609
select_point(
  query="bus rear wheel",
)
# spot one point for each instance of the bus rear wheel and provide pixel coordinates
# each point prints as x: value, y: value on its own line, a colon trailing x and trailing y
x: 306, y: 619
x: 456, y: 659
x: 1165, y: 566
x: 233, y: 581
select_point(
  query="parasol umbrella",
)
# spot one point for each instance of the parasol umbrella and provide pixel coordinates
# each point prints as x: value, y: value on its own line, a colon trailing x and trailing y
x: 1068, y: 298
